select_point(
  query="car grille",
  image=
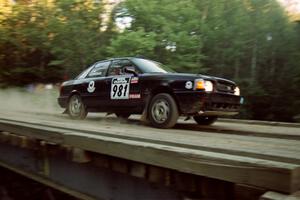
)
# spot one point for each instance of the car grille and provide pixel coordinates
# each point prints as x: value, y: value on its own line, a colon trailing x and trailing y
x: 225, y: 87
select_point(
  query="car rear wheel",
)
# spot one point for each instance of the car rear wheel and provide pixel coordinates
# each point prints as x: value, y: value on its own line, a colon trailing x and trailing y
x: 76, y: 108
x: 123, y: 115
x: 205, y: 120
x: 163, y: 111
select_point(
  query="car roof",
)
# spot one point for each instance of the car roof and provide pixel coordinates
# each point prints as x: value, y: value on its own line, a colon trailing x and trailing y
x: 117, y: 58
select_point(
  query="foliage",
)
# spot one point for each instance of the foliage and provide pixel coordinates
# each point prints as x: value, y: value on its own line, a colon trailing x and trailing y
x: 41, y: 42
x: 144, y: 44
x: 250, y: 41
x: 177, y: 38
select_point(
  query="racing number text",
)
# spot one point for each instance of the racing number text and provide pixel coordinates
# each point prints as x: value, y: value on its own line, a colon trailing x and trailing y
x: 120, y: 88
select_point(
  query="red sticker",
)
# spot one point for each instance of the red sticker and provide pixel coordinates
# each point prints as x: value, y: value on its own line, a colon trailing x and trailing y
x: 134, y: 80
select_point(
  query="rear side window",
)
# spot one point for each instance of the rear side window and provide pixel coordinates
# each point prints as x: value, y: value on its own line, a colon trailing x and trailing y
x: 99, y: 70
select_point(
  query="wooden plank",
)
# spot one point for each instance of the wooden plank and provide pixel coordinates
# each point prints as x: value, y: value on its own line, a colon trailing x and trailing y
x: 273, y: 196
x: 258, y: 172
x: 46, y: 181
x: 256, y: 122
x: 138, y: 170
x: 156, y: 174
x: 278, y: 196
x: 216, y: 189
x: 269, y: 163
x: 247, y: 192
x: 80, y: 156
x: 283, y: 150
x: 49, y: 134
x: 246, y: 129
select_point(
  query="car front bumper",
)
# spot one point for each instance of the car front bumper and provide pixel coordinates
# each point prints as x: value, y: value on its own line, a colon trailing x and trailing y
x: 208, y: 104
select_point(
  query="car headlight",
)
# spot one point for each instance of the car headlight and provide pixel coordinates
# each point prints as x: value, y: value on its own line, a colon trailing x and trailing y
x: 237, y: 91
x: 201, y: 84
x: 209, y: 87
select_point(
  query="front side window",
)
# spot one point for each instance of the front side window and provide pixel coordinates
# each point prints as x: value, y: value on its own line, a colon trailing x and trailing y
x: 99, y: 70
x: 118, y: 66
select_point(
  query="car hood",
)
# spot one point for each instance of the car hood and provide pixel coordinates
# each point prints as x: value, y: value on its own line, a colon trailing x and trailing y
x: 191, y: 76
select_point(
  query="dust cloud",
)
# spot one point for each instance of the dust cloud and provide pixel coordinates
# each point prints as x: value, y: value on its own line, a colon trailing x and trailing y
x: 38, y: 99
x: 41, y: 101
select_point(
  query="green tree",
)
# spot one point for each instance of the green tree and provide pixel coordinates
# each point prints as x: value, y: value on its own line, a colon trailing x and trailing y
x: 76, y: 36
x: 250, y: 41
x: 133, y: 43
x: 41, y: 41
x: 24, y: 48
x: 176, y: 33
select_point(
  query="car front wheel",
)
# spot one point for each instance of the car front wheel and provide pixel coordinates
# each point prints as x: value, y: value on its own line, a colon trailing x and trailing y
x: 205, y: 120
x: 163, y: 111
x: 76, y: 108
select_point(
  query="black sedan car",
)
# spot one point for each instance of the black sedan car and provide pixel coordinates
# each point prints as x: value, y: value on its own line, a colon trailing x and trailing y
x: 130, y: 85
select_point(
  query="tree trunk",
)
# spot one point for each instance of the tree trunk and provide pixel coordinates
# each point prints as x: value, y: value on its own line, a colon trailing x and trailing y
x: 236, y: 69
x: 254, y: 63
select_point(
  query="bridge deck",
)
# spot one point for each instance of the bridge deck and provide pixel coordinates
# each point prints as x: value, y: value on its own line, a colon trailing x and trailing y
x: 254, y: 154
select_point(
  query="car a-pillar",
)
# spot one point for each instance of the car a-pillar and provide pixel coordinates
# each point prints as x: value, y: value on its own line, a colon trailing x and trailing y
x: 162, y: 108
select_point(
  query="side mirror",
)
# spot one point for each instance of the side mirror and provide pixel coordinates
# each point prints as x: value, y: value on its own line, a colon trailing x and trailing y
x: 130, y: 70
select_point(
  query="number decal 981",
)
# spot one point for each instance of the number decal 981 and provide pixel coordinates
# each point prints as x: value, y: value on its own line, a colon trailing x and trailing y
x: 120, y: 88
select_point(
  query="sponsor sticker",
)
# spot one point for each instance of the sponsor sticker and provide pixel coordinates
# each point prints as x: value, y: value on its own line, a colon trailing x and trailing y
x: 189, y: 85
x: 91, y: 87
x: 134, y: 96
x: 120, y: 88
x: 134, y: 80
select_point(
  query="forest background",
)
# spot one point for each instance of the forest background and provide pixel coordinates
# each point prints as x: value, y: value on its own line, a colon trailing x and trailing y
x: 253, y: 42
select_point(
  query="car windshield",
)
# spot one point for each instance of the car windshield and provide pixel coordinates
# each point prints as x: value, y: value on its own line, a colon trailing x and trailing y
x: 84, y: 73
x: 149, y: 66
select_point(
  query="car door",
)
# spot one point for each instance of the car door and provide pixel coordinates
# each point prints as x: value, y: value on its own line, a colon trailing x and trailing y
x: 95, y: 87
x: 124, y: 88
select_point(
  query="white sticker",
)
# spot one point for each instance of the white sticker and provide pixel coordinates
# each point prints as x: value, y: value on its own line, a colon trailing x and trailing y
x: 135, y: 96
x: 120, y: 88
x: 189, y: 85
x: 91, y: 88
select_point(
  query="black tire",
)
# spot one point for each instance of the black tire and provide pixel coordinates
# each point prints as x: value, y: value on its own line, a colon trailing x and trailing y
x: 205, y: 120
x: 76, y: 107
x: 163, y: 111
x: 123, y: 115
